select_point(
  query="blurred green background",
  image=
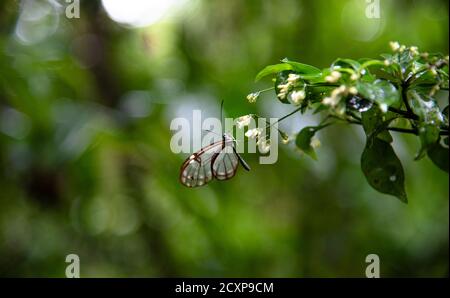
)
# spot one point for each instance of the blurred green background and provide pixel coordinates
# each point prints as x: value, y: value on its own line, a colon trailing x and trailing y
x: 86, y: 168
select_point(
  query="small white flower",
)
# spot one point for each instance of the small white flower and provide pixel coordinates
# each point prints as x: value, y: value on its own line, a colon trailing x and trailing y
x: 293, y: 78
x: 333, y: 77
x: 414, y: 50
x: 264, y: 146
x: 353, y: 90
x: 315, y: 142
x: 433, y: 71
x: 402, y: 48
x: 285, y: 139
x: 283, y: 86
x: 243, y: 121
x: 331, y: 101
x: 281, y: 95
x: 383, y: 107
x: 252, y: 97
x: 395, y: 46
x: 284, y: 89
x: 338, y: 91
x: 298, y: 96
x: 354, y: 77
x: 387, y: 62
x: 253, y: 133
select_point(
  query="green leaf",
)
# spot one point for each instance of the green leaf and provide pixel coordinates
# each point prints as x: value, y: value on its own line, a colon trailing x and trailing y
x: 430, y: 119
x: 405, y: 59
x: 380, y: 91
x: 343, y: 62
x: 439, y: 154
x: 445, y: 114
x: 303, y: 141
x: 429, y: 135
x: 372, y: 121
x: 271, y: 69
x: 382, y: 169
x: 371, y: 62
x: 302, y: 68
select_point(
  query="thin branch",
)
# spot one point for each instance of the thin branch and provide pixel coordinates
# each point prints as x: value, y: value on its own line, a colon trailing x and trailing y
x: 406, y: 114
x: 290, y: 114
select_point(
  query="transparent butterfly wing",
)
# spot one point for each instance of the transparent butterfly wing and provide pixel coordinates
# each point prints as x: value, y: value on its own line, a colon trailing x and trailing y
x: 225, y: 163
x: 196, y: 169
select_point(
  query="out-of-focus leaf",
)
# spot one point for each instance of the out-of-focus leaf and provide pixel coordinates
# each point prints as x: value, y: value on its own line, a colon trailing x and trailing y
x: 303, y: 141
x: 271, y: 69
x: 380, y: 91
x: 372, y: 121
x: 302, y: 68
x: 439, y: 154
x: 382, y: 169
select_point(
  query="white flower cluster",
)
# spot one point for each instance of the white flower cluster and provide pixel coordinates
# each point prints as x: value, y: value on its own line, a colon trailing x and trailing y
x: 397, y: 47
x: 354, y: 76
x: 333, y: 77
x: 264, y: 145
x: 252, y: 97
x: 253, y: 133
x: 297, y: 97
x: 244, y: 121
x: 262, y: 142
x: 285, y: 88
x: 336, y: 95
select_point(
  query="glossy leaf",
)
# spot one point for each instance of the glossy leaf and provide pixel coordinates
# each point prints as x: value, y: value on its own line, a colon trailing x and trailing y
x: 439, y: 154
x: 380, y: 91
x: 429, y: 135
x: 343, y: 62
x: 302, y: 68
x: 382, y: 169
x: 372, y: 121
x: 445, y: 114
x: 271, y: 69
x: 303, y: 141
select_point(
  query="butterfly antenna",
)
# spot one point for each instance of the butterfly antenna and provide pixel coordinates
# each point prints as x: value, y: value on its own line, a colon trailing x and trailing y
x: 221, y: 116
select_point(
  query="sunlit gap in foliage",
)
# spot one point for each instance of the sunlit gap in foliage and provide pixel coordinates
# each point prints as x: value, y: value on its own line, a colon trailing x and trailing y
x: 140, y: 13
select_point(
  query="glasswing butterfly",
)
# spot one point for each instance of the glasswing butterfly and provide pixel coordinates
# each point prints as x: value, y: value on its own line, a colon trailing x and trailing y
x: 218, y: 160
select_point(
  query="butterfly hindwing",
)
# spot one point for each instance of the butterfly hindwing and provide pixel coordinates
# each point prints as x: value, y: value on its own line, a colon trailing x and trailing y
x: 225, y: 163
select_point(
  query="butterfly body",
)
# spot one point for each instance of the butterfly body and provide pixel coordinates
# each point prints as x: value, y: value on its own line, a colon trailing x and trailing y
x: 218, y: 160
